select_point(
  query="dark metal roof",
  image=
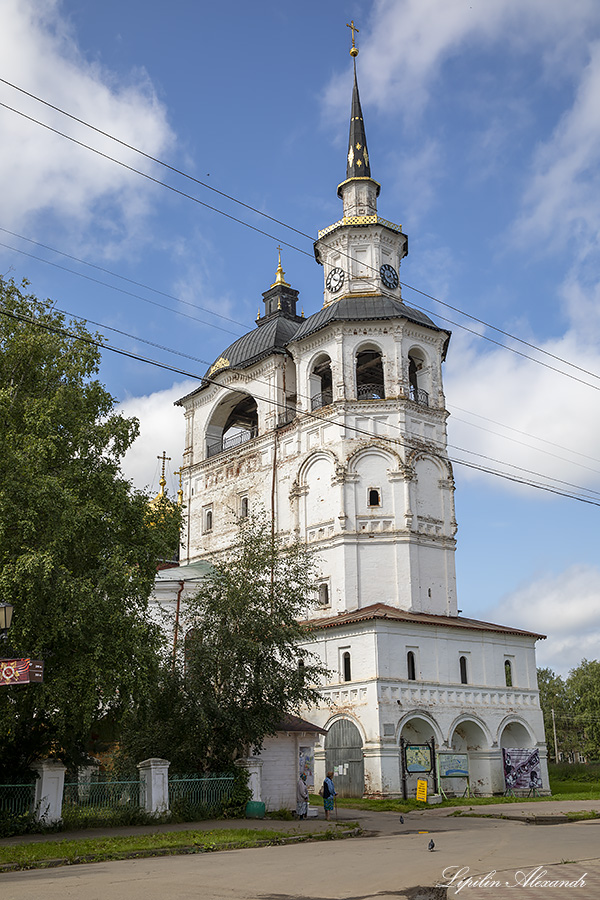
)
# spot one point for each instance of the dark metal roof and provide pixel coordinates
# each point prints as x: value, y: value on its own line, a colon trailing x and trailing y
x: 295, y: 723
x: 358, y: 165
x: 268, y: 337
x: 383, y: 611
x: 355, y: 309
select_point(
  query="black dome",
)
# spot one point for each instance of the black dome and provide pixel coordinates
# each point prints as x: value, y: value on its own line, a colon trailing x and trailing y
x: 356, y: 309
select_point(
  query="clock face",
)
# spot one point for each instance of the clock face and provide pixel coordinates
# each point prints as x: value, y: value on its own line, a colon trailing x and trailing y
x: 389, y: 276
x: 335, y: 280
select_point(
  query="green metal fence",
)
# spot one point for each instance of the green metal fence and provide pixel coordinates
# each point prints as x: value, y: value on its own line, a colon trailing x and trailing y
x: 191, y: 797
x: 101, y: 802
x: 17, y: 799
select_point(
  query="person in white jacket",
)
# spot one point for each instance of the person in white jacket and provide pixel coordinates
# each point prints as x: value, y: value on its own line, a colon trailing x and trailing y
x: 302, y: 797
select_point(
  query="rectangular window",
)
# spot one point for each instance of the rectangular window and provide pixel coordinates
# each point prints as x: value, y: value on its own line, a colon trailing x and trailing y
x: 373, y: 497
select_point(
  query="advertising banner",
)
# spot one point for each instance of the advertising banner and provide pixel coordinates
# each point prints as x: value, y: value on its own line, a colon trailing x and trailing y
x: 21, y: 671
x: 521, y: 769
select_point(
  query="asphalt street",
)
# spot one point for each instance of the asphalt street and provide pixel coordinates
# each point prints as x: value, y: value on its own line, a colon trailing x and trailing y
x: 511, y: 859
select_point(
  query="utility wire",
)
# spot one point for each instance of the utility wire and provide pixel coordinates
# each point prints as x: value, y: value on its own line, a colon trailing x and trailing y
x: 253, y: 209
x: 102, y: 344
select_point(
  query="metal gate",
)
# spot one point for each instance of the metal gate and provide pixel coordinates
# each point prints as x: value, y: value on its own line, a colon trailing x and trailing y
x: 344, y: 756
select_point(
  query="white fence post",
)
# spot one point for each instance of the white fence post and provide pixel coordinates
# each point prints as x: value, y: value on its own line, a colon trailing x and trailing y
x: 254, y: 768
x: 49, y: 788
x: 154, y: 784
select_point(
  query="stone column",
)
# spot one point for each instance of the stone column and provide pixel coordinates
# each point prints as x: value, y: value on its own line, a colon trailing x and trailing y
x: 49, y: 789
x: 154, y: 784
x: 254, y: 768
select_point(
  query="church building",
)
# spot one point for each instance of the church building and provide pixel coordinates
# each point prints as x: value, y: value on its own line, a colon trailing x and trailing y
x: 336, y: 423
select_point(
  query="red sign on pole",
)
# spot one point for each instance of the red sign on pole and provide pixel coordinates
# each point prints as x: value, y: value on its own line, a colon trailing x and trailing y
x: 21, y: 671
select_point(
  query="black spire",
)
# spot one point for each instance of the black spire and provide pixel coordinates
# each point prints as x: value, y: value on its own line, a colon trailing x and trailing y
x: 358, y: 156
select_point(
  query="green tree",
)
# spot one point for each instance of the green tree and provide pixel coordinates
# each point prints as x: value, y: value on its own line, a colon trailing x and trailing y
x: 78, y: 546
x: 583, y: 691
x: 241, y: 668
x: 553, y: 698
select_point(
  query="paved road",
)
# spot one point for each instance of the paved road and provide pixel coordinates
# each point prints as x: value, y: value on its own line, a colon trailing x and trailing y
x: 379, y: 867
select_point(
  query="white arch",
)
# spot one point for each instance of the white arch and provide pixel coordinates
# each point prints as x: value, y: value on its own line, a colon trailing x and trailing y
x: 310, y: 460
x: 518, y: 720
x: 385, y: 453
x: 424, y: 716
x: 345, y: 717
x: 468, y: 717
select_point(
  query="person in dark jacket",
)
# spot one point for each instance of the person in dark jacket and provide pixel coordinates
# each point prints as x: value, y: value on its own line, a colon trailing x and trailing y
x: 329, y: 795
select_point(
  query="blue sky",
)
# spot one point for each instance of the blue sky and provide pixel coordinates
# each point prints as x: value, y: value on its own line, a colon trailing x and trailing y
x: 483, y: 123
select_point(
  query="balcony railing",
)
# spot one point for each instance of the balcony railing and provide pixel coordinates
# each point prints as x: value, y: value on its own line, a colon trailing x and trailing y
x: 322, y: 399
x: 229, y: 442
x: 370, y: 392
x: 418, y: 395
x: 286, y: 417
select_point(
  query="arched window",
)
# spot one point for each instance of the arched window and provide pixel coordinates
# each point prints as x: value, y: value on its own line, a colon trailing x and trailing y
x: 508, y: 679
x: 369, y: 375
x: 410, y: 666
x: 244, y: 508
x: 321, y: 385
x: 301, y: 665
x: 208, y: 520
x: 346, y: 666
x: 323, y: 594
x: 374, y: 497
x: 463, y: 670
x: 416, y: 377
x: 234, y: 422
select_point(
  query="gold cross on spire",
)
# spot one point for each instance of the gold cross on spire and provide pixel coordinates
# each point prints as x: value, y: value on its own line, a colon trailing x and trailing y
x: 354, y: 48
x: 163, y: 481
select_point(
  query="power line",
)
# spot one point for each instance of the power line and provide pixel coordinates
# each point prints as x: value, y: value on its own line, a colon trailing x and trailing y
x: 102, y: 344
x: 272, y: 219
x: 91, y: 265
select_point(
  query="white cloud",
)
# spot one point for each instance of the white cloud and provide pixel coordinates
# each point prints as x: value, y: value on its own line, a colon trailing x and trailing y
x: 560, y: 203
x: 535, y: 401
x: 162, y: 428
x: 41, y: 172
x: 565, y: 607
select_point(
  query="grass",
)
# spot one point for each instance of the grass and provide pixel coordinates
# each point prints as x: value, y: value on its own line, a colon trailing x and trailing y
x: 100, y: 849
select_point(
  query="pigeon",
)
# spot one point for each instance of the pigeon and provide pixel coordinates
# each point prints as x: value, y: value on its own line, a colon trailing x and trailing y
x: 402, y: 820
x: 430, y: 845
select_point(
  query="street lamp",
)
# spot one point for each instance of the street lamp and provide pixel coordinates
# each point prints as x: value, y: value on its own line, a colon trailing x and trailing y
x: 6, y: 613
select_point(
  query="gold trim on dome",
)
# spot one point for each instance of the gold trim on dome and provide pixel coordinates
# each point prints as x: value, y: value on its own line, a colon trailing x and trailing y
x: 360, y: 220
x: 221, y: 363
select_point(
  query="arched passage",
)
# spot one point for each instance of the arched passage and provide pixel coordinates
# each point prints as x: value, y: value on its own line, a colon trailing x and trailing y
x: 233, y: 422
x: 515, y: 734
x: 470, y: 737
x: 344, y: 752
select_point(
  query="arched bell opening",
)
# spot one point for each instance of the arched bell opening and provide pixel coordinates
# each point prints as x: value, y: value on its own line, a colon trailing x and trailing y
x: 369, y: 375
x: 417, y: 377
x: 234, y: 422
x: 321, y: 383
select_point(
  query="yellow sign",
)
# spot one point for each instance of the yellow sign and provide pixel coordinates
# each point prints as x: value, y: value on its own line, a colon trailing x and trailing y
x: 422, y: 790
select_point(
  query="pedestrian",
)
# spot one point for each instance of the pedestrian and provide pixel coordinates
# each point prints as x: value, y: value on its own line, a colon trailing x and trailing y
x: 302, y: 797
x: 328, y: 794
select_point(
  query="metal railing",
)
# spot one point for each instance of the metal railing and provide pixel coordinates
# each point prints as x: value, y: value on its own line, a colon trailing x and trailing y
x: 99, y: 800
x: 286, y: 417
x: 17, y: 799
x: 370, y: 392
x: 195, y: 797
x: 234, y: 441
x: 322, y: 399
x: 418, y: 395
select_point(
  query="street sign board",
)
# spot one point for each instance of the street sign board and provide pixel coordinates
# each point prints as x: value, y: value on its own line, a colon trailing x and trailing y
x: 21, y: 671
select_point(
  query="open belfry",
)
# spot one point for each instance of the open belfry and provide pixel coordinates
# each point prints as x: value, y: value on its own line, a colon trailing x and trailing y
x: 335, y: 424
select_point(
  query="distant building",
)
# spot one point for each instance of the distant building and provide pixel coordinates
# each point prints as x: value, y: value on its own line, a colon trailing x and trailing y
x: 337, y: 423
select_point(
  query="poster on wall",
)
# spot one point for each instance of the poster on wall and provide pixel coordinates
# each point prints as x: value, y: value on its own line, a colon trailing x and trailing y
x: 453, y: 765
x: 306, y: 765
x: 521, y: 769
x: 418, y: 758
